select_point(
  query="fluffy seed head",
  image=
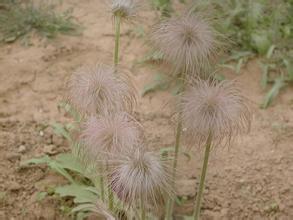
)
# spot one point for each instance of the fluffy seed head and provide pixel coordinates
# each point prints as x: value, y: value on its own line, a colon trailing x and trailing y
x: 100, y: 89
x: 110, y: 134
x: 140, y: 175
x: 126, y: 9
x: 214, y: 108
x: 188, y: 42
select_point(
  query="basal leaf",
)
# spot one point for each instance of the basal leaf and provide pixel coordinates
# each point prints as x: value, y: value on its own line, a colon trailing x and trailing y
x: 261, y: 42
x: 160, y: 82
x: 274, y: 91
x: 70, y: 162
x: 264, y: 76
x: 60, y: 129
x: 80, y: 193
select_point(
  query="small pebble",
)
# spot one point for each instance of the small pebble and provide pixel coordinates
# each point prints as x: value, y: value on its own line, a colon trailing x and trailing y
x: 21, y: 149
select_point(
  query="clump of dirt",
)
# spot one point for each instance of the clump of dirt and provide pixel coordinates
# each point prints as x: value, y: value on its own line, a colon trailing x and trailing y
x: 253, y: 179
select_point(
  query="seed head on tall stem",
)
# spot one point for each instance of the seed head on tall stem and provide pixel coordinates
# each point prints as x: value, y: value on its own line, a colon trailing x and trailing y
x: 213, y: 113
x: 188, y: 42
x: 99, y: 89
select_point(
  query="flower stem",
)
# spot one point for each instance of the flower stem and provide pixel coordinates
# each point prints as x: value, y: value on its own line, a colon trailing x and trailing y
x: 117, y: 39
x: 142, y: 207
x: 170, y: 204
x: 102, y: 184
x: 102, y: 188
x: 110, y: 199
x: 202, y: 178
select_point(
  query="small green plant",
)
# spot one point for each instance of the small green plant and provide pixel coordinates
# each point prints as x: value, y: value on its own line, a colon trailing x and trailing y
x: 164, y: 6
x: 20, y: 19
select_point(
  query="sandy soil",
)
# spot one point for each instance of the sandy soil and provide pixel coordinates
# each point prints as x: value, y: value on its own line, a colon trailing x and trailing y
x: 253, y: 179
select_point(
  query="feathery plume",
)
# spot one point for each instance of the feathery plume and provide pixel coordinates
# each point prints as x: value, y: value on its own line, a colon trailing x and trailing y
x: 110, y: 134
x: 217, y: 109
x: 100, y: 89
x: 188, y: 42
x: 140, y: 176
x: 125, y: 9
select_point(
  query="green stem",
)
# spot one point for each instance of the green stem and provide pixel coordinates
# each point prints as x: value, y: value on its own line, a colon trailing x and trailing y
x: 117, y: 39
x: 102, y: 185
x: 110, y: 194
x: 110, y: 199
x: 170, y: 204
x: 202, y: 178
x: 143, y: 214
x: 102, y: 188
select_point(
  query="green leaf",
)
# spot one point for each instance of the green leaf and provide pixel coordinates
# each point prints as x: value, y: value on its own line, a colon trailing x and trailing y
x: 186, y: 217
x: 261, y: 42
x: 278, y: 85
x: 219, y: 77
x: 43, y: 160
x: 59, y: 129
x: 264, y: 76
x: 289, y: 67
x: 70, y: 162
x: 177, y: 89
x: 139, y: 31
x: 88, y: 207
x: 80, y: 193
x: 69, y: 109
x: 58, y: 168
x: 160, y: 82
x: 236, y: 55
x: 270, y: 51
x: 153, y: 56
x: 239, y: 65
x: 255, y: 12
x: 53, y: 164
x: 41, y: 195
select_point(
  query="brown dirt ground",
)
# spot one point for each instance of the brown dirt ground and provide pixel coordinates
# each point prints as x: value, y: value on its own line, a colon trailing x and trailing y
x: 253, y: 179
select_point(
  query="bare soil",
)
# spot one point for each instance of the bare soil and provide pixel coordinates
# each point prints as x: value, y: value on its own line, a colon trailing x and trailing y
x: 253, y: 179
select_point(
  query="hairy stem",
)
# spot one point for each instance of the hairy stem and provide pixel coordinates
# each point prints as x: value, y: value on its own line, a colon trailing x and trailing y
x: 102, y: 184
x: 170, y: 203
x: 110, y: 199
x: 142, y: 207
x: 202, y: 178
x: 102, y: 188
x: 117, y: 39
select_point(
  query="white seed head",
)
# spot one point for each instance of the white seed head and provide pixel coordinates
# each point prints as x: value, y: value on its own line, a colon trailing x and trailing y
x: 100, y: 89
x: 140, y: 175
x: 187, y: 42
x: 216, y: 108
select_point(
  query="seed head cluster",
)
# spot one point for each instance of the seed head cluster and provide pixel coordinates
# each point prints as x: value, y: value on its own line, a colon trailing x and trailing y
x: 105, y: 98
